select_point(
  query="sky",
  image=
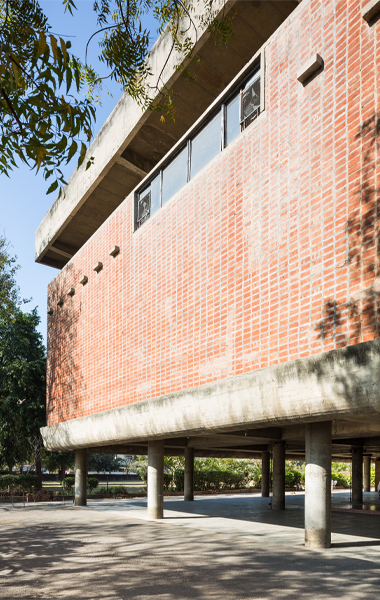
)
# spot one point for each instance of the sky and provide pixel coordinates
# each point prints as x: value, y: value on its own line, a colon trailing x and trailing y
x: 23, y: 199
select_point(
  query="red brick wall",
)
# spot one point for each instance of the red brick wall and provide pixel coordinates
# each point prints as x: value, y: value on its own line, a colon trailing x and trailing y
x: 268, y: 255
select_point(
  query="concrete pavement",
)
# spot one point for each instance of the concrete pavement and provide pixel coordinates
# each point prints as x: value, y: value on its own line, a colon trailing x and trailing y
x: 230, y: 547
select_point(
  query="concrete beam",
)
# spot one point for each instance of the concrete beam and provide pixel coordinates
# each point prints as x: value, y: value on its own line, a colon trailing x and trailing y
x: 308, y: 389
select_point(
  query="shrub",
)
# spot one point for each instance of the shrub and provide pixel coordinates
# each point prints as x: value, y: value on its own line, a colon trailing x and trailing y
x: 25, y: 482
x: 92, y: 483
x: 291, y: 476
x: 68, y: 484
x: 341, y: 479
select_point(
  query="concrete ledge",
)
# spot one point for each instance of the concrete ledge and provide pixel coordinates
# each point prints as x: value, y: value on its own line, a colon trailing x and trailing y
x: 309, y: 68
x: 371, y: 10
x: 336, y: 384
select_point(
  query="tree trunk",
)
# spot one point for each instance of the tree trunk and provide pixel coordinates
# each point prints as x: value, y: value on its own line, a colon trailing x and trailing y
x: 62, y: 472
x: 10, y: 469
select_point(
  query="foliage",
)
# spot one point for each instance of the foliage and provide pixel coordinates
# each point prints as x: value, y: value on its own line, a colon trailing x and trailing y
x: 68, y: 484
x: 55, y: 461
x: 92, y: 483
x: 42, y: 122
x: 103, y: 462
x: 25, y: 481
x: 22, y: 386
x: 113, y: 489
x: 9, y: 291
x: 292, y: 476
x: 340, y: 478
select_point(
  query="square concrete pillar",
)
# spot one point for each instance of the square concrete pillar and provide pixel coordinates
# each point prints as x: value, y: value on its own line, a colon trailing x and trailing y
x: 318, y: 485
x: 265, y: 474
x: 81, y: 477
x: 377, y: 474
x: 156, y: 479
x: 357, y: 475
x: 367, y: 473
x: 189, y: 474
x: 278, y: 499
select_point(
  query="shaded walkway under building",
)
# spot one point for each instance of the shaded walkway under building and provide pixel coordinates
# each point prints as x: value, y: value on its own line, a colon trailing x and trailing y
x: 250, y: 516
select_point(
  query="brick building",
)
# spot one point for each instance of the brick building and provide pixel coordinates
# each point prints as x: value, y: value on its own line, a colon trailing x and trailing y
x: 219, y: 284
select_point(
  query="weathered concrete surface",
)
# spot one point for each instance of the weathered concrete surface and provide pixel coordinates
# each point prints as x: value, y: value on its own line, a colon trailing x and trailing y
x: 156, y: 479
x: 318, y: 485
x: 81, y: 477
x: 265, y: 474
x: 337, y: 384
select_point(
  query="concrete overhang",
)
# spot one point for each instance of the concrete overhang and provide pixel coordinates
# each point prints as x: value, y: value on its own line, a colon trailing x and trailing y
x: 132, y: 142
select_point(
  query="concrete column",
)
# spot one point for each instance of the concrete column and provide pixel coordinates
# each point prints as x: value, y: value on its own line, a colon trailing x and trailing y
x: 156, y: 479
x: 278, y: 500
x: 377, y: 473
x: 81, y: 477
x: 265, y: 474
x: 189, y: 474
x: 367, y: 473
x: 318, y: 485
x: 357, y: 475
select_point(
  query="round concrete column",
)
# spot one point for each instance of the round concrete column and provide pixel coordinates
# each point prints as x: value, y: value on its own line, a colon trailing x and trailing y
x: 357, y: 475
x: 81, y: 477
x: 278, y: 500
x: 318, y: 485
x: 156, y: 480
x: 265, y: 474
x: 189, y: 474
x: 367, y: 473
x: 377, y: 474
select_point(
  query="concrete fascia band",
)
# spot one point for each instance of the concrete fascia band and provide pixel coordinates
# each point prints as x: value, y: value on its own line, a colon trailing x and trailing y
x: 340, y: 383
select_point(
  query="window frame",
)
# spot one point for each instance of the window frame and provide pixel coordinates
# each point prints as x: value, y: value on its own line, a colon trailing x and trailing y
x: 257, y: 63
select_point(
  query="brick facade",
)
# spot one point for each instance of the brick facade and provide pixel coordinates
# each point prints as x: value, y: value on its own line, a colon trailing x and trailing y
x: 269, y: 254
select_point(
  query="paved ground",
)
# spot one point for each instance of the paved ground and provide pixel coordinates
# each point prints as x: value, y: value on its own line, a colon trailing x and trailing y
x: 229, y: 548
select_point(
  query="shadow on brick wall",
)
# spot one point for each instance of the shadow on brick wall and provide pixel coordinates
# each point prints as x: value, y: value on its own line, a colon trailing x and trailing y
x: 64, y: 381
x: 355, y: 319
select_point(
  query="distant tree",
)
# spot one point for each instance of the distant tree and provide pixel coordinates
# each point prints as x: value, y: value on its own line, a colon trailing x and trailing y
x: 58, y: 461
x: 9, y: 291
x: 22, y: 388
x: 103, y: 463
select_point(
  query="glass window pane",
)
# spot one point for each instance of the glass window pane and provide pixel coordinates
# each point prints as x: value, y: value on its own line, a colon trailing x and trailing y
x: 155, y: 194
x: 232, y: 119
x: 174, y: 176
x: 206, y: 145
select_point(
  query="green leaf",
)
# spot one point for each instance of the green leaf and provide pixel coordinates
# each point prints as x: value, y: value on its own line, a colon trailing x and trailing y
x: 72, y: 151
x: 53, y: 187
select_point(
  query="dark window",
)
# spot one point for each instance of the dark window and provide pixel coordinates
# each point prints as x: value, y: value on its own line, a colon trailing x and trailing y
x: 250, y: 100
x: 143, y: 207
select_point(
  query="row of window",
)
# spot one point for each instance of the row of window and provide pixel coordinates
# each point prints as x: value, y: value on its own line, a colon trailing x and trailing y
x: 220, y: 130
